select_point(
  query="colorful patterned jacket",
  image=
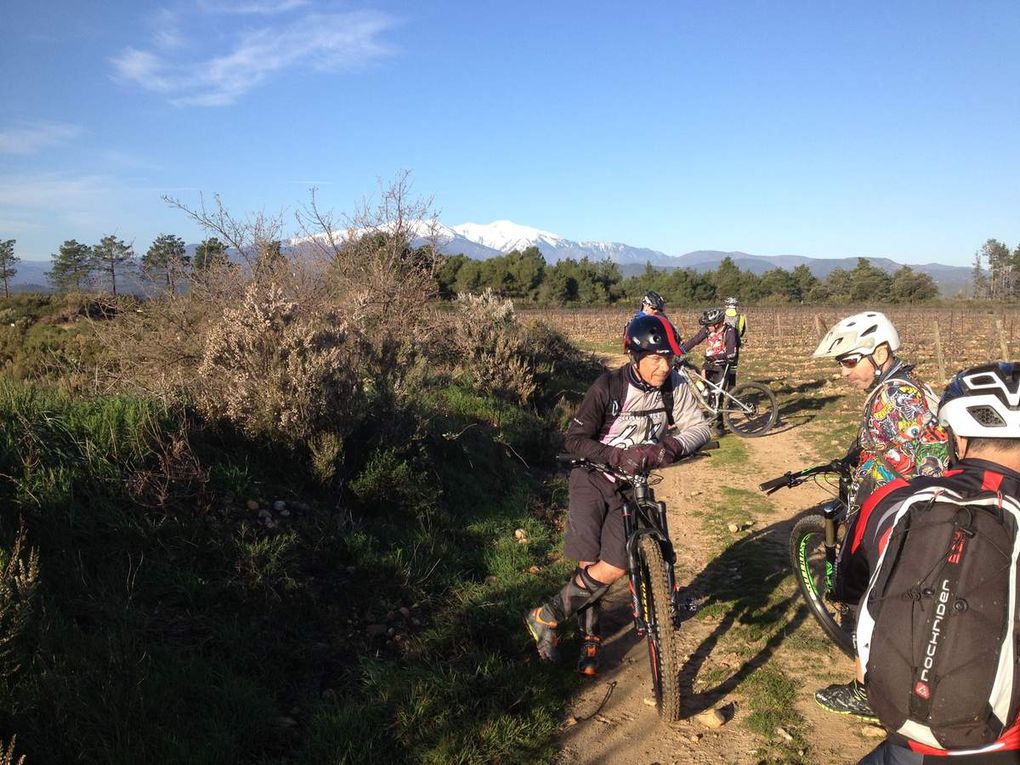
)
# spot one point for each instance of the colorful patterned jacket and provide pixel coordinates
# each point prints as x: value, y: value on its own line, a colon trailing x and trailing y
x: 900, y: 436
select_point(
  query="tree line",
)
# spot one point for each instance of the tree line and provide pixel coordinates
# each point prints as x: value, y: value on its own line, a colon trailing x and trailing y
x: 996, y: 271
x: 525, y: 275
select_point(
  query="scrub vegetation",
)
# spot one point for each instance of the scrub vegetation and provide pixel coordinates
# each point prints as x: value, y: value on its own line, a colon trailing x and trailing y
x: 291, y: 514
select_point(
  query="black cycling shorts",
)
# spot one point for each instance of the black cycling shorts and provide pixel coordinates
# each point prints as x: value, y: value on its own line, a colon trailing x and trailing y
x: 595, y: 520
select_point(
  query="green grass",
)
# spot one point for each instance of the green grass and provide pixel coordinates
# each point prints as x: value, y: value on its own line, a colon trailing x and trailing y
x: 172, y: 626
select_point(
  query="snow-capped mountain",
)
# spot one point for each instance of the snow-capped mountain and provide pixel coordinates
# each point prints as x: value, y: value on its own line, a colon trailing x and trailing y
x: 504, y: 236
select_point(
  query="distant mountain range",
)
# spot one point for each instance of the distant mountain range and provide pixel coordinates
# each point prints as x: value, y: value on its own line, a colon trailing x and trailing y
x: 483, y: 241
x: 500, y: 237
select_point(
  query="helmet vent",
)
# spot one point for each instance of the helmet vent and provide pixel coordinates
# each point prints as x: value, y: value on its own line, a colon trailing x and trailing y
x: 986, y: 416
x: 870, y: 330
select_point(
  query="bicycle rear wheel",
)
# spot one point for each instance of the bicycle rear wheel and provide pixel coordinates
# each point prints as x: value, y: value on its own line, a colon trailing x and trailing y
x: 807, y: 557
x: 756, y: 413
x: 662, y: 636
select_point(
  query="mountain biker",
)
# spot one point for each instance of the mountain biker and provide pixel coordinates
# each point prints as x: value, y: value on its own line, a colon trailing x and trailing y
x: 981, y: 410
x: 722, y: 352
x: 652, y: 304
x: 898, y: 438
x: 637, y: 418
x: 736, y: 319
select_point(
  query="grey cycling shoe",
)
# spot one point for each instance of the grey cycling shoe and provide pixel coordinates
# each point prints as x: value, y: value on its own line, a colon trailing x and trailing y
x: 846, y: 699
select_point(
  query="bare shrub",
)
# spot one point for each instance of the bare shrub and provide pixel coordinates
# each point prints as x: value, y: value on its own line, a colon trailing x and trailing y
x: 275, y: 370
x: 492, y: 348
x: 19, y: 578
x: 380, y: 268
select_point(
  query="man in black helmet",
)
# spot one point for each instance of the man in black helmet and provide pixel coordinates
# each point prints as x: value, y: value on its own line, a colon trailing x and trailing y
x: 638, y: 417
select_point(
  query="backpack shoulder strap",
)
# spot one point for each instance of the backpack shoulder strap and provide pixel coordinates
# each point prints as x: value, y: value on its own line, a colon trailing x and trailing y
x: 667, y: 398
x: 617, y: 392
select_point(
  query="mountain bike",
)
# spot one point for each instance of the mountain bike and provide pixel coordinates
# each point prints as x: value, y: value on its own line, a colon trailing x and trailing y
x: 749, y: 409
x: 814, y: 548
x: 655, y: 592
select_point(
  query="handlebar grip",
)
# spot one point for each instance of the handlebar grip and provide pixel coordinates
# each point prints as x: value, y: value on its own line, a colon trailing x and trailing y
x: 566, y: 459
x: 775, y: 483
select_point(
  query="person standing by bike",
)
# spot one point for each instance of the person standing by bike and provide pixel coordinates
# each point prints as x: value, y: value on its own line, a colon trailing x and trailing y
x: 899, y: 437
x: 736, y: 319
x: 981, y: 411
x: 637, y: 418
x: 722, y: 352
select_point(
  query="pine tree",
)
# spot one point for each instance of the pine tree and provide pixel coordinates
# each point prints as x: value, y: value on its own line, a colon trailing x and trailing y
x: 209, y: 253
x: 165, y: 260
x: 113, y: 256
x: 72, y: 266
x: 8, y: 263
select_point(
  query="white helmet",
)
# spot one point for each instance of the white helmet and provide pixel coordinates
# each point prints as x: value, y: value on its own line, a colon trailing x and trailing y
x: 731, y: 302
x: 983, y: 402
x: 861, y: 333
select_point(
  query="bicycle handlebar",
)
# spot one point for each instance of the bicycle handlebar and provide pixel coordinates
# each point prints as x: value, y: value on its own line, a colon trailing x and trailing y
x: 570, y: 460
x: 791, y: 479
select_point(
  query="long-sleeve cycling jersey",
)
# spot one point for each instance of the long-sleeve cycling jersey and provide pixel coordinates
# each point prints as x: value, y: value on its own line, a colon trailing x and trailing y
x: 721, y: 346
x: 635, y: 415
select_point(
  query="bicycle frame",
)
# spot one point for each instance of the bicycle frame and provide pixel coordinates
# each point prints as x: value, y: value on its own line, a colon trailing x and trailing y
x: 715, y: 391
x: 644, y: 516
x: 835, y: 513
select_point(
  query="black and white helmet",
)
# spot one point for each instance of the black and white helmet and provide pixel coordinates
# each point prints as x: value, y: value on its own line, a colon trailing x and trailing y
x: 654, y: 300
x: 712, y: 316
x: 983, y: 401
x: 731, y: 302
x: 861, y: 333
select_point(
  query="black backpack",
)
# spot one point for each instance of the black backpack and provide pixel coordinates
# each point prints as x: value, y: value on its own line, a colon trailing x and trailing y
x: 937, y: 633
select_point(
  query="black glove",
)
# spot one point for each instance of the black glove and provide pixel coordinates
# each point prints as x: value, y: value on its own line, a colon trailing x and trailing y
x: 641, y: 459
x: 674, y: 449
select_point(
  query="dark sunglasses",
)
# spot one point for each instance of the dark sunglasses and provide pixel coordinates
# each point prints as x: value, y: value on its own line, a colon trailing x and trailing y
x: 849, y: 362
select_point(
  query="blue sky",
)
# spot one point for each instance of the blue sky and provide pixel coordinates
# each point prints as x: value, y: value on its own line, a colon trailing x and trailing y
x: 826, y: 129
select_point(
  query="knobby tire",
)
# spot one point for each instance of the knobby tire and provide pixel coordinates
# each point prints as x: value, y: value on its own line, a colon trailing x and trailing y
x: 764, y: 412
x: 663, y: 644
x: 807, y: 558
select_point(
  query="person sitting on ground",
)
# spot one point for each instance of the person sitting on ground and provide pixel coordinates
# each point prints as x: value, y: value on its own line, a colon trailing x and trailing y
x: 636, y: 418
x: 899, y: 437
x: 922, y: 704
x: 722, y: 352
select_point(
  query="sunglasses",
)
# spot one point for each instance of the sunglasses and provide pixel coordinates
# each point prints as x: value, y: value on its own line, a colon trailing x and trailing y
x: 849, y: 362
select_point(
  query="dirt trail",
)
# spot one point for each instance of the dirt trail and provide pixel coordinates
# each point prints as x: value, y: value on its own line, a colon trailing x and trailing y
x: 625, y: 728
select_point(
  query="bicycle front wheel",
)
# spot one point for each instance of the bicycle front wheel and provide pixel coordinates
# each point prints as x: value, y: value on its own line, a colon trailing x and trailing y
x: 756, y: 412
x: 807, y: 556
x: 662, y: 635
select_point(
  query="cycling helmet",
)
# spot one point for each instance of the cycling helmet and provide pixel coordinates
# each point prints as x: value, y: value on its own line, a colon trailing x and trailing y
x: 861, y: 333
x: 731, y: 302
x: 983, y: 401
x: 654, y: 300
x: 712, y: 316
x: 650, y: 334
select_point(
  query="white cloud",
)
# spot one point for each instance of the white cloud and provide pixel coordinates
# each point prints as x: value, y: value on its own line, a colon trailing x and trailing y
x: 260, y: 7
x: 30, y: 138
x: 50, y: 191
x: 307, y: 40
